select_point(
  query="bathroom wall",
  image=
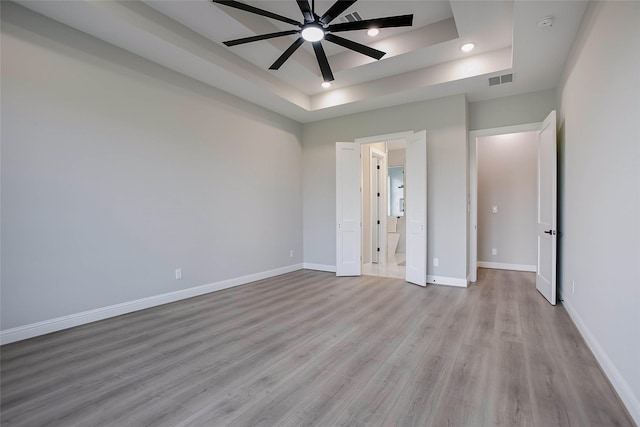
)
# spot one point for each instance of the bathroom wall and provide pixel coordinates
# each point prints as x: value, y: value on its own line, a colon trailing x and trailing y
x: 397, y: 158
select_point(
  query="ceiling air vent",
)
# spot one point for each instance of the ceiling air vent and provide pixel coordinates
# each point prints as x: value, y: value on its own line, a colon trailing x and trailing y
x: 505, y: 78
x: 352, y: 17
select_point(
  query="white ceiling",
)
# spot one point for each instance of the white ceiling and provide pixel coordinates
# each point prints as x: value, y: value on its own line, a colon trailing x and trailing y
x: 422, y: 62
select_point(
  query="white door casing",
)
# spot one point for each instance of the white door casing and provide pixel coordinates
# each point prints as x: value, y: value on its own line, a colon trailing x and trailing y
x: 378, y: 205
x: 416, y: 208
x: 547, y: 213
x: 348, y: 209
x: 375, y: 196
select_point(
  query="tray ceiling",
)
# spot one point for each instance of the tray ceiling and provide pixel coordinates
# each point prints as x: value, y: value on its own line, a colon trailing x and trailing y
x: 422, y: 62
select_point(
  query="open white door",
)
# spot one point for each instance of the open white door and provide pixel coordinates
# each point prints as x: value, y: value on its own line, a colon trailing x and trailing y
x: 348, y: 243
x: 415, y: 174
x: 547, y: 186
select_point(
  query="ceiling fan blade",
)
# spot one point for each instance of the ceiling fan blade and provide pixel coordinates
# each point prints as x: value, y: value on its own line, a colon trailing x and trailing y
x: 306, y: 10
x: 323, y: 62
x: 260, y: 37
x: 349, y: 44
x: 257, y: 11
x: 388, y: 22
x: 334, y: 11
x: 287, y: 53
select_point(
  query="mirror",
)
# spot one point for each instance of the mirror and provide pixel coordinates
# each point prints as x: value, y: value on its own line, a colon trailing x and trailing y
x: 395, y: 187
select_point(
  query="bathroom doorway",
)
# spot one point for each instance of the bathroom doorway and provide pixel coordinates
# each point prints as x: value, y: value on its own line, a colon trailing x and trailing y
x: 352, y: 226
x: 384, y: 224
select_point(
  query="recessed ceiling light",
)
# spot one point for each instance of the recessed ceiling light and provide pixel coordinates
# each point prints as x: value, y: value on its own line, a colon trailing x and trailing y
x: 312, y: 33
x: 468, y: 47
x: 326, y: 85
x: 373, y: 32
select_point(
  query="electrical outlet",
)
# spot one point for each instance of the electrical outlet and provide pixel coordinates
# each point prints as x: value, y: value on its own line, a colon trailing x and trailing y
x: 436, y: 262
x: 494, y: 251
x: 291, y: 253
x: 573, y: 286
x: 178, y: 273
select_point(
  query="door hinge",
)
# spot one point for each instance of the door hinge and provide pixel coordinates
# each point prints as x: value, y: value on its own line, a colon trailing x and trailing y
x: 378, y: 221
x: 378, y: 194
x: 378, y: 167
x: 378, y: 249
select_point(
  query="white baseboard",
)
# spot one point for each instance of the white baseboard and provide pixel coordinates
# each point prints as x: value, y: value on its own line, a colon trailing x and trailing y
x: 630, y: 400
x: 449, y: 281
x: 47, y: 326
x: 319, y: 267
x: 504, y: 266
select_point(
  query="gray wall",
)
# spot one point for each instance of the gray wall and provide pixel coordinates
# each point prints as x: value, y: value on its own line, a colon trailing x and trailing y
x: 599, y: 99
x: 445, y: 122
x: 507, y: 173
x: 116, y: 171
x: 529, y: 107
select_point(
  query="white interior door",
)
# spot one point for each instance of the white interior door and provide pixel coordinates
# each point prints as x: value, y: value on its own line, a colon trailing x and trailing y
x: 547, y: 214
x: 416, y: 208
x: 348, y: 206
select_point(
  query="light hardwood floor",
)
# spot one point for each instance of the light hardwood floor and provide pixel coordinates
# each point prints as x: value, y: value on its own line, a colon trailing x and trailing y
x: 310, y: 349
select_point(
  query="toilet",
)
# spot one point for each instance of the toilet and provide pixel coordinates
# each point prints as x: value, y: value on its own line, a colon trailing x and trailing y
x: 393, y: 237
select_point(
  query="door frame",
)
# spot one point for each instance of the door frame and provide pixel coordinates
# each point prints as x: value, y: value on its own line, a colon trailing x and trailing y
x: 371, y: 140
x: 378, y: 203
x: 472, y: 267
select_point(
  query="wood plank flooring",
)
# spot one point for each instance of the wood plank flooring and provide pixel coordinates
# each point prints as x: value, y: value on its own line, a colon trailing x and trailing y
x: 310, y: 349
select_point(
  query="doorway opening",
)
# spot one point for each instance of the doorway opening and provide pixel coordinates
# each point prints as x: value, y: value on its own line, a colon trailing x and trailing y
x: 503, y: 199
x: 513, y: 170
x: 349, y: 206
x: 383, y: 220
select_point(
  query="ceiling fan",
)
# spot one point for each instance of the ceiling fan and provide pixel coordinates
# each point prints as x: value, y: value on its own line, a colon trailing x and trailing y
x: 315, y: 28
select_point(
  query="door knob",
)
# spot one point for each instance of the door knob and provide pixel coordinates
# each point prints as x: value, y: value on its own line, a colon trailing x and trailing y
x: 550, y: 232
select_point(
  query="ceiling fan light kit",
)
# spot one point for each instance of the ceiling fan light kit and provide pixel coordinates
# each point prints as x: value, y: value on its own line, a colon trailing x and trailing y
x: 316, y: 28
x: 312, y: 32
